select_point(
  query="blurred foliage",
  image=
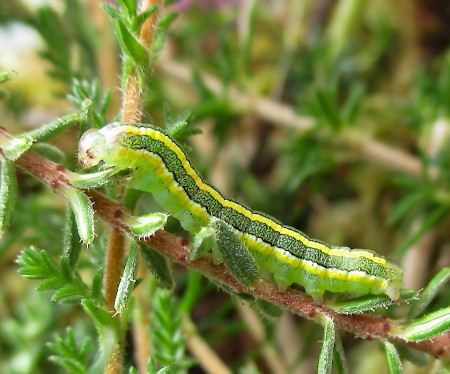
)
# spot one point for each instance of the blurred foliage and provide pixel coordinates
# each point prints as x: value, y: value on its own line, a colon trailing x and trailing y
x: 362, y: 70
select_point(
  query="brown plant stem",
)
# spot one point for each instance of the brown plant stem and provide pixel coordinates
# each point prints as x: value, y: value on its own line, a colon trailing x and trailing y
x: 363, y: 325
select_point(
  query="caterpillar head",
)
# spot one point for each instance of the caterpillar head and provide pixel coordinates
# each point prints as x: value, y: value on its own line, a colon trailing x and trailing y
x: 96, y: 144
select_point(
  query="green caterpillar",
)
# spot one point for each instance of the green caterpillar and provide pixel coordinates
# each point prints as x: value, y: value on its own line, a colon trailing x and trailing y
x: 162, y: 168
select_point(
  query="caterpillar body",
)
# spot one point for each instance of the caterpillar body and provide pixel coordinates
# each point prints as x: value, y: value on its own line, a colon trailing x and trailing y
x: 162, y: 168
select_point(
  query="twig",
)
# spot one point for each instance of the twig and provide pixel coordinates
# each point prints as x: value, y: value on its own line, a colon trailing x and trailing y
x: 363, y: 325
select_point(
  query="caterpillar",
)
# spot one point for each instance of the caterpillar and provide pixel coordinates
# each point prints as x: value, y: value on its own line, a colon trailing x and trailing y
x: 160, y: 166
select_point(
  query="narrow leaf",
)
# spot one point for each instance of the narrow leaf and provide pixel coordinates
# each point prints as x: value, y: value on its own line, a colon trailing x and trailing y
x: 49, y: 151
x: 15, y: 147
x: 328, y: 110
x: 326, y: 353
x: 431, y: 220
x: 84, y: 214
x: 131, y: 45
x: 393, y: 359
x: 97, y: 283
x: 351, y: 108
x: 236, y: 255
x: 146, y: 225
x: 427, y: 326
x: 203, y: 241
x: 158, y: 265
x: 139, y: 20
x: 71, y: 243
x: 430, y: 291
x: 129, y: 6
x: 409, y: 202
x: 112, y: 12
x: 50, y: 129
x: 369, y: 302
x: 8, y: 192
x: 340, y: 363
x: 167, y: 20
x: 268, y: 310
x: 127, y: 281
x: 101, y: 317
x: 96, y: 179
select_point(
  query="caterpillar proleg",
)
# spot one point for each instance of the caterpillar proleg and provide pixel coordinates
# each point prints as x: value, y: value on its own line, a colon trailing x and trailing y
x: 162, y: 168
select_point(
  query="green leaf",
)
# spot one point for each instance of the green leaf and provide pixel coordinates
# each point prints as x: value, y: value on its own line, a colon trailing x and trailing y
x: 15, y: 147
x: 38, y: 265
x: 352, y: 106
x: 139, y: 20
x: 418, y: 358
x: 326, y: 353
x: 237, y: 257
x: 393, y: 359
x: 430, y: 291
x: 4, y: 76
x: 192, y: 292
x: 268, y: 310
x: 202, y: 242
x: 369, y: 302
x: 97, y: 285
x: 432, y: 219
x: 49, y: 151
x: 327, y: 109
x: 131, y: 45
x: 205, y: 93
x: 146, y: 225
x: 67, y: 354
x: 158, y: 266
x: 87, y: 96
x: 179, y: 127
x: 71, y: 241
x: 102, y: 318
x: 168, y: 340
x: 151, y: 369
x: 71, y: 294
x: 340, y: 363
x: 83, y: 212
x: 127, y: 280
x: 96, y: 179
x: 53, y: 128
x: 113, y: 12
x: 129, y: 6
x: 409, y: 202
x: 8, y: 192
x: 427, y: 326
x: 166, y: 20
